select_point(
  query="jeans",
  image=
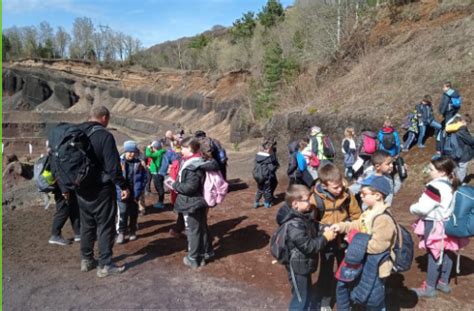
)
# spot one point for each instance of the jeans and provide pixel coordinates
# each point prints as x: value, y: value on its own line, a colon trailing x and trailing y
x: 303, y: 283
x: 411, y: 137
x: 128, y: 210
x: 422, y: 131
x: 437, y: 272
x: 461, y: 170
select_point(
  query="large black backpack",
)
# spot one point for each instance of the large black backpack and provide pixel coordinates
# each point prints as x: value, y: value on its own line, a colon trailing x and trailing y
x: 260, y: 173
x: 388, y: 141
x: 278, y: 244
x: 72, y: 156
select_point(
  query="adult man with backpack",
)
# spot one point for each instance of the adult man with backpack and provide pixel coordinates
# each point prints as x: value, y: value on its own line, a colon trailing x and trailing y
x: 92, y: 145
x: 450, y: 102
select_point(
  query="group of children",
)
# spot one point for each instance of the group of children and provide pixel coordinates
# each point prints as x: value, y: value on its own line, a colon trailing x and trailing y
x: 352, y: 223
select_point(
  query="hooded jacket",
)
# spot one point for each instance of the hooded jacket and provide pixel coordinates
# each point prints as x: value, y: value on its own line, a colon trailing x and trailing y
x: 304, y: 239
x: 395, y: 150
x: 138, y: 174
x: 156, y: 157
x: 425, y: 114
x: 466, y: 141
x: 342, y: 208
x: 265, y: 159
x: 190, y: 182
x: 446, y: 108
x: 435, y: 202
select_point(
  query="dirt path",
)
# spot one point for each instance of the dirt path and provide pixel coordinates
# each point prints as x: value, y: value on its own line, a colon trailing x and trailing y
x: 37, y: 275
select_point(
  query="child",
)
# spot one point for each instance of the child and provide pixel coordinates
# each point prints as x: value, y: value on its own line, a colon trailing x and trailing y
x: 382, y: 165
x: 349, y: 151
x: 424, y: 111
x: 135, y: 177
x: 388, y: 139
x: 294, y: 174
x: 375, y: 222
x: 264, y: 165
x: 432, y: 208
x: 447, y: 109
x: 332, y: 203
x: 412, y: 130
x: 155, y: 152
x: 459, y: 125
x: 190, y: 201
x: 316, y: 145
x: 304, y: 241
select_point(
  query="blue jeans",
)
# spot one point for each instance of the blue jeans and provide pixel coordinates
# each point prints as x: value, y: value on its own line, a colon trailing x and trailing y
x: 303, y: 282
x: 422, y: 131
x: 411, y: 137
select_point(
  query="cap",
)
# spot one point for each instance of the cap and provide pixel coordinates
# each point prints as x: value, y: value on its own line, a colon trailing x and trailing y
x: 380, y: 183
x: 130, y: 146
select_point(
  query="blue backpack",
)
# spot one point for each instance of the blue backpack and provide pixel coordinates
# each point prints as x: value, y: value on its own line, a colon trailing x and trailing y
x: 451, y: 147
x: 461, y: 223
x: 456, y: 100
x: 403, y: 248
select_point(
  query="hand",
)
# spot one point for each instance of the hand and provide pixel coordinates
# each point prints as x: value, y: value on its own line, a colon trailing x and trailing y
x: 335, y: 228
x: 66, y: 196
x: 330, y: 234
x: 124, y: 194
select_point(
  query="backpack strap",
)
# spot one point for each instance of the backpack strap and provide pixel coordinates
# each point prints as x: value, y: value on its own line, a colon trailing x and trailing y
x: 94, y: 129
x: 319, y: 204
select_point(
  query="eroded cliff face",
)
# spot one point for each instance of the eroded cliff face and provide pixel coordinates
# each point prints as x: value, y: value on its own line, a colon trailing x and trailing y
x: 140, y: 101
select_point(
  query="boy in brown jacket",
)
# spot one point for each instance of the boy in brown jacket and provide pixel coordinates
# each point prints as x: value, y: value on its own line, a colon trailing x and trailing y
x: 332, y: 203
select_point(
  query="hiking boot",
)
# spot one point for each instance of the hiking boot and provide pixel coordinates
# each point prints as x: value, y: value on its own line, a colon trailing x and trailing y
x: 77, y: 238
x: 132, y: 237
x: 192, y: 263
x: 120, y: 238
x: 58, y: 240
x: 88, y: 265
x: 267, y: 205
x: 111, y: 269
x: 443, y: 287
x: 159, y: 205
x: 425, y: 291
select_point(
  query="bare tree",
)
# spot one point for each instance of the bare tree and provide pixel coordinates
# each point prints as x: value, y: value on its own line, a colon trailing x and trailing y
x: 45, y: 32
x: 30, y: 41
x: 14, y: 35
x: 82, y: 30
x: 119, y: 43
x: 62, y: 39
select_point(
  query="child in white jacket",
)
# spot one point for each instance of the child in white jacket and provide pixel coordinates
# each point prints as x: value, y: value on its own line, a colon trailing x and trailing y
x: 433, y: 207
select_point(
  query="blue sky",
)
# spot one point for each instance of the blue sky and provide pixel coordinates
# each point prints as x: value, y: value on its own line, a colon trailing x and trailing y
x: 152, y: 21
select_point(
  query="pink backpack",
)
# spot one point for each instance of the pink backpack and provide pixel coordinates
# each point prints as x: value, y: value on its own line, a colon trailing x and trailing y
x: 215, y: 188
x: 369, y: 144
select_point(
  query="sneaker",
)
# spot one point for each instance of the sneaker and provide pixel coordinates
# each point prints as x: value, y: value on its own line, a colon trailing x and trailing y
x: 159, y: 205
x: 256, y: 205
x: 267, y: 205
x: 190, y: 262
x: 132, y: 237
x: 88, y: 265
x: 120, y: 238
x: 77, y: 238
x: 209, y: 255
x: 443, y: 287
x: 425, y: 291
x: 404, y: 150
x: 421, y: 146
x: 326, y: 304
x: 58, y: 240
x: 111, y: 269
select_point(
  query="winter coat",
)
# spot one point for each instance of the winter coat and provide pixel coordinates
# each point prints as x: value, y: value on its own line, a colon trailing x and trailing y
x: 304, y: 240
x: 190, y: 182
x: 434, y: 203
x: 349, y: 150
x: 139, y: 177
x: 156, y: 157
x: 292, y: 170
x: 342, y: 208
x: 412, y: 122
x: 383, y: 232
x: 466, y: 141
x: 265, y: 159
x: 445, y: 108
x: 424, y: 113
x: 395, y: 150
x: 166, y: 161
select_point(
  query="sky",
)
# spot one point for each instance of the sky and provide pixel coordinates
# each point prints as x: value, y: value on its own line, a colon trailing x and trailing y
x: 151, y: 21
